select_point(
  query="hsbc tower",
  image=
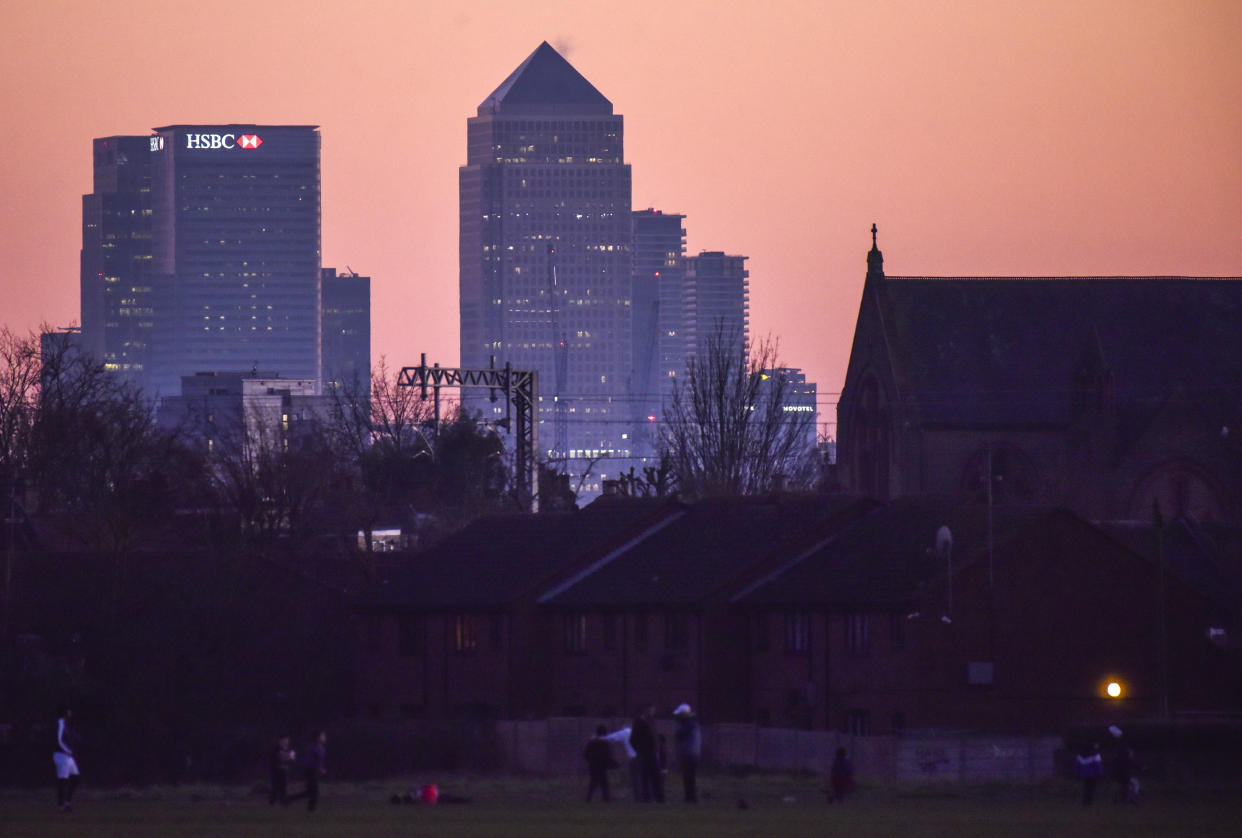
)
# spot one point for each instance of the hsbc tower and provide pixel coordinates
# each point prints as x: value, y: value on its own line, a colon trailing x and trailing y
x: 233, y: 273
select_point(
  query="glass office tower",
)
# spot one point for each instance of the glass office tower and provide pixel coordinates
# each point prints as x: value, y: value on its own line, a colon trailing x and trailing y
x: 545, y: 257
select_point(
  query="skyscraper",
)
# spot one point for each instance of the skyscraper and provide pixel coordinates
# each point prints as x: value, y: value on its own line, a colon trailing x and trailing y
x: 717, y: 300
x: 659, y: 316
x: 545, y: 255
x: 233, y: 278
x: 117, y: 317
x: 346, y: 320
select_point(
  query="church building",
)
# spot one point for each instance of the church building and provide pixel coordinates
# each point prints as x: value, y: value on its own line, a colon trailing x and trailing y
x: 1098, y: 394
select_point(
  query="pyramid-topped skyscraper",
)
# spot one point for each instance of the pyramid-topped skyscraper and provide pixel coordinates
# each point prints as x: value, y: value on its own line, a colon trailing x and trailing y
x: 545, y: 254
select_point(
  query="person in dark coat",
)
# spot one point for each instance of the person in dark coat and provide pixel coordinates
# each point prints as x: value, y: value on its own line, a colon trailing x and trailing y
x: 314, y: 761
x: 689, y: 739
x: 643, y: 741
x: 1090, y: 767
x: 840, y: 777
x: 598, y: 754
x: 281, y: 761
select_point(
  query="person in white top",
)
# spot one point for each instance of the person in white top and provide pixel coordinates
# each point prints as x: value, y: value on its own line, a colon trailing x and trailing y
x: 66, y: 765
x: 636, y: 774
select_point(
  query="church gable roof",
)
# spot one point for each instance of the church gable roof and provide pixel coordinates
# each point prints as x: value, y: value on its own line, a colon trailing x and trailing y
x: 545, y: 78
x: 980, y: 351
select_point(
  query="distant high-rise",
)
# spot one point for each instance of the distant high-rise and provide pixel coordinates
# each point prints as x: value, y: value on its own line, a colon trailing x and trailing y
x: 799, y: 400
x: 346, y: 321
x: 117, y: 317
x: 717, y: 300
x: 659, y: 314
x: 545, y: 255
x: 236, y: 211
x: 200, y: 252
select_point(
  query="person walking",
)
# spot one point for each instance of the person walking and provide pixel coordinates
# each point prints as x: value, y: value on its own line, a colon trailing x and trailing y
x: 598, y: 754
x: 67, y: 773
x: 281, y: 761
x: 689, y: 740
x: 1090, y: 767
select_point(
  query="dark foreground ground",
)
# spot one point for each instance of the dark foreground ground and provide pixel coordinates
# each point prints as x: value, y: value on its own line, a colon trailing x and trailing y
x: 777, y: 806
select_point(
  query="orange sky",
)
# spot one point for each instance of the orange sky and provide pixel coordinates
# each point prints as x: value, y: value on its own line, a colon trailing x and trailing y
x: 985, y: 138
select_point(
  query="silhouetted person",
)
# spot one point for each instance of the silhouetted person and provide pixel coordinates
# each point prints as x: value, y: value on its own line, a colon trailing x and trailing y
x: 689, y: 739
x: 281, y: 761
x: 1090, y: 767
x: 643, y: 740
x: 66, y: 763
x: 314, y: 761
x: 840, y: 777
x: 599, y: 760
x: 634, y: 766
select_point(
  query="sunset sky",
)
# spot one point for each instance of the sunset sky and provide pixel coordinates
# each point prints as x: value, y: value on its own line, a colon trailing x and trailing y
x: 1077, y: 137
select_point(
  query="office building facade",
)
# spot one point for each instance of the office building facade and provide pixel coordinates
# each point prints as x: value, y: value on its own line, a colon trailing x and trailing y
x: 201, y: 252
x: 545, y: 257
x: 659, y: 317
x: 717, y: 301
x: 117, y: 313
x: 345, y: 305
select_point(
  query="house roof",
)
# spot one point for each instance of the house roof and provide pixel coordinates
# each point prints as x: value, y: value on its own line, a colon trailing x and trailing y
x: 500, y: 558
x: 702, y: 551
x: 887, y: 556
x: 545, y: 78
x: 1006, y: 350
x: 1208, y: 558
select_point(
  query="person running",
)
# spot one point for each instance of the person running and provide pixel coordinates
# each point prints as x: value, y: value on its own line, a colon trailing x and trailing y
x: 67, y: 773
x: 599, y: 760
x: 282, y: 759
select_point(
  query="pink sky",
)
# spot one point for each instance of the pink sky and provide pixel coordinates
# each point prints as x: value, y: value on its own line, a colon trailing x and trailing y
x: 1080, y: 137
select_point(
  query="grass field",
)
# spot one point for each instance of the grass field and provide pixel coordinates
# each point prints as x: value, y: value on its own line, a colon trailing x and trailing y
x: 778, y: 806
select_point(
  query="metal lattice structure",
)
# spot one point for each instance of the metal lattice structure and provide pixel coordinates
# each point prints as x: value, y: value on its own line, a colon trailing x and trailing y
x: 521, y: 391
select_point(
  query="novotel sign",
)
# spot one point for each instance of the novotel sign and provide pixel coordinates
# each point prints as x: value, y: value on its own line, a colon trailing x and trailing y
x: 222, y: 141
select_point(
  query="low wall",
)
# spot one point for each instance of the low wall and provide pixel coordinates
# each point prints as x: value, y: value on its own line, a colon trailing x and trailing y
x: 554, y: 746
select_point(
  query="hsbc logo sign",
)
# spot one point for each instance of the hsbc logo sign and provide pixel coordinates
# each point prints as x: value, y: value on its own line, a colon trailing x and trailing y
x: 157, y: 143
x: 222, y: 141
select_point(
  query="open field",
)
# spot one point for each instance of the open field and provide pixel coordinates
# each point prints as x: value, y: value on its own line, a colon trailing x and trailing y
x: 778, y: 806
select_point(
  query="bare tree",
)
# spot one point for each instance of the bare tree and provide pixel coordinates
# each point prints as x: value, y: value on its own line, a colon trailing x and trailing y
x: 19, y: 401
x: 101, y: 465
x: 725, y: 429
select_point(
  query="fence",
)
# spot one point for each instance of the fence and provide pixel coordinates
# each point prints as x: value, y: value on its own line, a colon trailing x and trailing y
x: 554, y: 746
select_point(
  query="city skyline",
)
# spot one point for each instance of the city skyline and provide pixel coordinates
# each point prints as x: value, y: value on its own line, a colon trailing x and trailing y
x: 1075, y: 139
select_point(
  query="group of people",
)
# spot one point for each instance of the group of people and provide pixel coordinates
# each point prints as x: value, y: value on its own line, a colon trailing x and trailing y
x: 1090, y: 766
x: 647, y: 754
x: 283, y: 759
